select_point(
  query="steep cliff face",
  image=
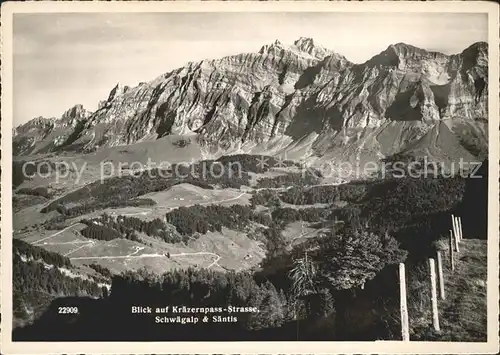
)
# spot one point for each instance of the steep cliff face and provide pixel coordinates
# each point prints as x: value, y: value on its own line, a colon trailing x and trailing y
x: 286, y: 96
x: 42, y: 135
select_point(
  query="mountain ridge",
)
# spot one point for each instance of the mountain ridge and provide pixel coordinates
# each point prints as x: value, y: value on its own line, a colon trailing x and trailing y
x: 118, y: 87
x: 286, y: 93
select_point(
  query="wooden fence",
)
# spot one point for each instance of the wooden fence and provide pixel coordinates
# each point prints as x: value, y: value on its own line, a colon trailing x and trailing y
x: 436, y: 278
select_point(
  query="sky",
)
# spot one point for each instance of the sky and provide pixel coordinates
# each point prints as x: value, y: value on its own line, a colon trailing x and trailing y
x: 63, y: 59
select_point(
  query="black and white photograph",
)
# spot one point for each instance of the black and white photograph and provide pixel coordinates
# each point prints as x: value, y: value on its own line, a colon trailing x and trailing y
x: 245, y: 173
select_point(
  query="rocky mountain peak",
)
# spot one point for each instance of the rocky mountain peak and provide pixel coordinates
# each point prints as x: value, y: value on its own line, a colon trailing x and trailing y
x: 304, y: 43
x: 477, y: 52
x: 406, y: 57
x: 307, y: 45
x: 303, y: 47
x: 407, y: 51
x: 73, y: 115
x: 272, y: 48
x: 481, y: 46
x: 77, y: 111
x: 286, y: 93
x: 118, y: 90
x: 35, y: 123
x: 401, y: 47
x: 278, y: 43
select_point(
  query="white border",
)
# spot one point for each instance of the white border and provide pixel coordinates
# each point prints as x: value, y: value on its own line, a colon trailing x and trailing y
x: 380, y: 347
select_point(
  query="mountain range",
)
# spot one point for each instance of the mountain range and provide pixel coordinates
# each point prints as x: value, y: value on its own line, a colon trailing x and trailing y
x: 302, y: 99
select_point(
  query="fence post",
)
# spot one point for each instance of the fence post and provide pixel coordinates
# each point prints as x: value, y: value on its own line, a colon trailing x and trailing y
x: 461, y: 229
x: 452, y: 256
x: 454, y: 225
x: 435, y: 315
x: 440, y: 274
x: 405, y: 332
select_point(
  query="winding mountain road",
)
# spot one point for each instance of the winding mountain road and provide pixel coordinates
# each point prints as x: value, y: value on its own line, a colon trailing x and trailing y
x: 57, y: 233
x: 89, y: 243
x: 133, y: 256
x: 143, y: 213
x: 138, y: 249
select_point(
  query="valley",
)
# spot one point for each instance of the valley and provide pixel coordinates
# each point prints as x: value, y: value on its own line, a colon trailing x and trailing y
x: 227, y: 249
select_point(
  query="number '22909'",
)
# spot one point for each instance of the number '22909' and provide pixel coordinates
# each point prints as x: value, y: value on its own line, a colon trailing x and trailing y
x: 67, y: 310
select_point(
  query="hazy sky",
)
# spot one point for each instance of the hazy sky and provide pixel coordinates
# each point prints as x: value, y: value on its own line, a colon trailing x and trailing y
x: 68, y: 58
